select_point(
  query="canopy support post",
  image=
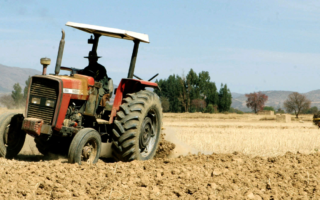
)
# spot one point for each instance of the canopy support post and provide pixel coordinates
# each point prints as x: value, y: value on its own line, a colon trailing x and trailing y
x: 133, y: 58
x: 94, y: 42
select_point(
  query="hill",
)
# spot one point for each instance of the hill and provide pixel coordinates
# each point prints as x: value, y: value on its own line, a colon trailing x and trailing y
x: 11, y: 75
x: 275, y: 99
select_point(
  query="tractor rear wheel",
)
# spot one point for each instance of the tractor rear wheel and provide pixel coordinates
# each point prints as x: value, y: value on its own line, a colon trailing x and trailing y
x: 137, y: 127
x: 11, y: 136
x: 85, y: 147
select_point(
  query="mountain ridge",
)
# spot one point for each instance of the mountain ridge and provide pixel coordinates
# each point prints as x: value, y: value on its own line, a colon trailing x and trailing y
x: 11, y: 75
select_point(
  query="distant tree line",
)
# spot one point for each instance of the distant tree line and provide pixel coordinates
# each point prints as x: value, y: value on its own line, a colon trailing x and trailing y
x: 17, y: 98
x: 193, y: 93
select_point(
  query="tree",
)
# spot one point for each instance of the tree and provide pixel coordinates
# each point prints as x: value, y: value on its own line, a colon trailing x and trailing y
x: 211, y: 109
x: 280, y: 111
x: 204, y: 83
x: 182, y: 90
x: 184, y: 97
x: 256, y: 101
x: 198, y: 104
x: 268, y: 108
x: 192, y: 85
x: 165, y: 104
x: 312, y: 110
x: 211, y: 93
x: 16, y: 94
x: 297, y: 103
x: 171, y: 88
x: 225, y: 99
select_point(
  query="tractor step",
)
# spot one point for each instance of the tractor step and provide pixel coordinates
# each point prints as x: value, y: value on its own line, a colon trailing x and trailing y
x: 102, y: 121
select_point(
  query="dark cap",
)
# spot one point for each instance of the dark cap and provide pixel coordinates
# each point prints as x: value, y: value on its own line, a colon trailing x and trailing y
x: 92, y: 55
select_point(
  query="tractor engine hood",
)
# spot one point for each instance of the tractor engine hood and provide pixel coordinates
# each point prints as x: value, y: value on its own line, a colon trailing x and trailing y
x: 77, y: 85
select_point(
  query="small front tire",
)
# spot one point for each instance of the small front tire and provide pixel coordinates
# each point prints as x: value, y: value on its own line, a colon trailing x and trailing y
x: 85, y: 147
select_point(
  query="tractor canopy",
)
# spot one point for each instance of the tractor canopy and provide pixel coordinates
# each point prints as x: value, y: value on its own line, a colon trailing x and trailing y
x: 98, y: 31
x: 110, y: 32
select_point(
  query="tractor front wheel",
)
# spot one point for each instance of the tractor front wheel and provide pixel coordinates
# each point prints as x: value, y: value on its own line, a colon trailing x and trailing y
x: 85, y: 147
x: 11, y: 136
x: 136, y: 132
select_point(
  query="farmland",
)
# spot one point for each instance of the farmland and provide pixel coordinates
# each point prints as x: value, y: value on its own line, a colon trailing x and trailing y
x: 255, y: 135
x: 216, y: 156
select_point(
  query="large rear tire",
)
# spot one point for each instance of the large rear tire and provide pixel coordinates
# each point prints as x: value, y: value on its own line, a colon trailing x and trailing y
x: 137, y: 127
x: 11, y: 136
x: 85, y: 147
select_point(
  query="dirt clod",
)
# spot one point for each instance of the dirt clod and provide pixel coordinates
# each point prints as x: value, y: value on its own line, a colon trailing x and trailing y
x: 165, y: 148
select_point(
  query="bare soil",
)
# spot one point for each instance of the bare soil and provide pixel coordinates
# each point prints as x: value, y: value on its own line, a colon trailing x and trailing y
x: 168, y: 176
x: 216, y: 176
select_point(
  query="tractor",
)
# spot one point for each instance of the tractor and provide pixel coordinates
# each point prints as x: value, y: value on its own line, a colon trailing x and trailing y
x: 64, y: 115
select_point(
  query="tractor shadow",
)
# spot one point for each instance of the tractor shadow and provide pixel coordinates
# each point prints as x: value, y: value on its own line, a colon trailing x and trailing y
x: 30, y: 153
x: 40, y: 158
x: 52, y: 157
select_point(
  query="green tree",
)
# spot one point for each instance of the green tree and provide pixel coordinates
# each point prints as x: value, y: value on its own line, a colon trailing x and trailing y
x: 312, y: 110
x: 17, y: 95
x: 204, y: 81
x: 192, y: 85
x: 225, y: 99
x: 165, y: 104
x: 268, y: 108
x: 25, y: 90
x: 280, y: 111
x: 211, y: 93
x: 182, y: 90
x: 184, y: 96
x: 210, y: 109
x: 171, y: 88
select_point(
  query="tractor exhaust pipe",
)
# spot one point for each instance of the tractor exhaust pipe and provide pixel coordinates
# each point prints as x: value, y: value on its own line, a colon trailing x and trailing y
x: 60, y: 54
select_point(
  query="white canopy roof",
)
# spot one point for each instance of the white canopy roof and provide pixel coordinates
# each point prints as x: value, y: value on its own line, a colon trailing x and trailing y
x: 110, y: 32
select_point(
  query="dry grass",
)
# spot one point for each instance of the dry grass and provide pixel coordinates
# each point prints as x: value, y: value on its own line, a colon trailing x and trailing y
x: 5, y: 110
x: 255, y: 135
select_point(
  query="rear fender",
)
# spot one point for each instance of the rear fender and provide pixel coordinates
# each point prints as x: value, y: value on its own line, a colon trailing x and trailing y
x: 128, y: 86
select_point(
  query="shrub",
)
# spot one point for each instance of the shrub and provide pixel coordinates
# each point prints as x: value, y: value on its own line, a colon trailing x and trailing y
x: 268, y: 108
x: 210, y: 109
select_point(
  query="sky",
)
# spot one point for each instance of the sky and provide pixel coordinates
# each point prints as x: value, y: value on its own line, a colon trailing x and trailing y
x: 248, y: 45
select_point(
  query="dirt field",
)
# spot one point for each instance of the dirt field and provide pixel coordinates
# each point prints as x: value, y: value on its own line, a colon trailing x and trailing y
x: 249, y: 162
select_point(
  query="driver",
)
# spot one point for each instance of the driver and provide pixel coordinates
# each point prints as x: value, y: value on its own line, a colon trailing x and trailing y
x: 99, y: 73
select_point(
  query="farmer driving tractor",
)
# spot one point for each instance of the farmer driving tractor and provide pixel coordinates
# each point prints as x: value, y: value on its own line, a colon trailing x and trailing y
x: 99, y: 73
x: 66, y: 113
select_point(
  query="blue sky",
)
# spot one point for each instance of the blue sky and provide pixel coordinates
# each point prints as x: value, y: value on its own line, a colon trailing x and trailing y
x: 249, y: 45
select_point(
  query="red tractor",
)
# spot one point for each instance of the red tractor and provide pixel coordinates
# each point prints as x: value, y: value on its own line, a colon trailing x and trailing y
x: 63, y: 113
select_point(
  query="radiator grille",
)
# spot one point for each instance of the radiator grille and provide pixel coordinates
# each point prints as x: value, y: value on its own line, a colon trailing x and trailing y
x: 45, y: 88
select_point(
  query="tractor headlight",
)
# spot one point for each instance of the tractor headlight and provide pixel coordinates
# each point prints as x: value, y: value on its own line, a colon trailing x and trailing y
x: 50, y: 103
x: 35, y: 100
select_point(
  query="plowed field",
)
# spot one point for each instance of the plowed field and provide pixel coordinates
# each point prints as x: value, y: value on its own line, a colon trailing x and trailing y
x: 225, y: 174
